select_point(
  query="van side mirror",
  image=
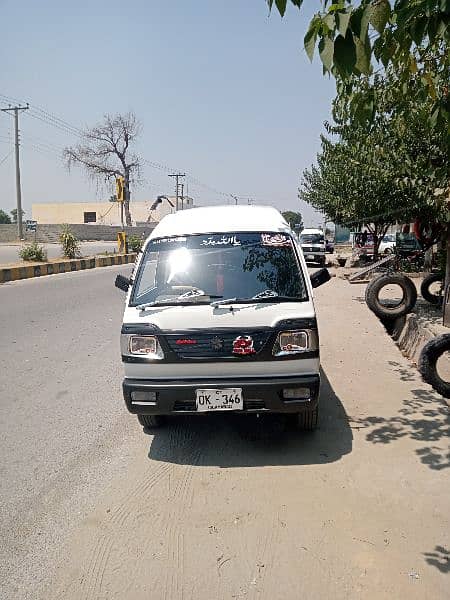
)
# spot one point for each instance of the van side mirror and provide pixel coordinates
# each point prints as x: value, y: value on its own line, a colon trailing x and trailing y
x: 320, y: 277
x: 122, y: 282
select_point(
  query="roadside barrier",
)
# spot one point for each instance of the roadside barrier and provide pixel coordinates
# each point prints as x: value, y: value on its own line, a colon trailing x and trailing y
x: 15, y: 273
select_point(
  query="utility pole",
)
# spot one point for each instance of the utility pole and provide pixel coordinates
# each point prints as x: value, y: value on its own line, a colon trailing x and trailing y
x: 235, y: 198
x: 16, y: 109
x: 182, y: 196
x: 177, y: 186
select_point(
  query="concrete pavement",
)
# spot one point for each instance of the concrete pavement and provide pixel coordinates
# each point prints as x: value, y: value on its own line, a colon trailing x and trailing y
x: 93, y: 509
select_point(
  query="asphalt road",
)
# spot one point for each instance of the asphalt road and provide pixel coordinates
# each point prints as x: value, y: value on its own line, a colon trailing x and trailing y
x: 9, y: 253
x: 94, y: 509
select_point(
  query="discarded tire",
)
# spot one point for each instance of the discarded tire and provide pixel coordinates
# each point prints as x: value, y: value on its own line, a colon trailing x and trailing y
x: 391, y: 310
x: 429, y: 356
x: 426, y: 285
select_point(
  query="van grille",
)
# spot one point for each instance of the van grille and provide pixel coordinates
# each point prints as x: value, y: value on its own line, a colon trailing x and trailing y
x: 212, y: 344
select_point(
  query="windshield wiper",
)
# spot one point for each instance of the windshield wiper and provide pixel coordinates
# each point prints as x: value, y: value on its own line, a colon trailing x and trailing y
x: 182, y: 299
x: 196, y: 293
x: 266, y: 296
x: 157, y: 303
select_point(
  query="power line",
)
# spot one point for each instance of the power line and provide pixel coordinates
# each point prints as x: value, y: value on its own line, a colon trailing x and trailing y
x: 55, y: 124
x: 40, y: 142
x: 41, y: 149
x: 57, y: 120
x: 48, y: 118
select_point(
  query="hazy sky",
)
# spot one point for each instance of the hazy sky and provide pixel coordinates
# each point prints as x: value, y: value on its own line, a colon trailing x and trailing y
x: 224, y: 92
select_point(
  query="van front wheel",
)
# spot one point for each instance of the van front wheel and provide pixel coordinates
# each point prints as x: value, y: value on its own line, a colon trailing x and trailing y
x: 151, y: 421
x: 308, y: 419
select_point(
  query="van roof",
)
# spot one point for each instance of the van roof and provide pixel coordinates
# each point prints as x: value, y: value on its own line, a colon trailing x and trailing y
x: 220, y: 219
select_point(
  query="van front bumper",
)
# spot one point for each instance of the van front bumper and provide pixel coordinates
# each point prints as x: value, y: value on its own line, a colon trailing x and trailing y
x: 260, y: 394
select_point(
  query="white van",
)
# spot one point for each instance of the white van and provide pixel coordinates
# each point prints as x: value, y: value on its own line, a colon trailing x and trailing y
x: 219, y: 316
x: 313, y: 245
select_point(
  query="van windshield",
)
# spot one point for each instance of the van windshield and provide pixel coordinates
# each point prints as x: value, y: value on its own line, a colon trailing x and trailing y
x: 311, y: 238
x: 204, y: 267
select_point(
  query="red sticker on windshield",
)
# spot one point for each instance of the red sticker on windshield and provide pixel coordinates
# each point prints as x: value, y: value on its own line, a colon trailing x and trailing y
x: 275, y: 239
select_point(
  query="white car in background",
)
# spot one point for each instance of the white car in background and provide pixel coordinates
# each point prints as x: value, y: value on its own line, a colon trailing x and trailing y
x: 387, y: 244
x: 312, y: 242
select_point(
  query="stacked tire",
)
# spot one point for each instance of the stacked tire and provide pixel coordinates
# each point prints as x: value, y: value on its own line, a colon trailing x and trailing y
x: 390, y: 312
x: 431, y: 353
x: 425, y: 288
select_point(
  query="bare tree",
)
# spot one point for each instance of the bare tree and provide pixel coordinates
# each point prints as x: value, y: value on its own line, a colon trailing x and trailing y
x: 104, y: 152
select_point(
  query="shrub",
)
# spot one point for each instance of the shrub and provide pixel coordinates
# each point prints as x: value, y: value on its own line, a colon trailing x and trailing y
x: 4, y: 218
x: 69, y: 242
x: 135, y: 243
x: 33, y: 252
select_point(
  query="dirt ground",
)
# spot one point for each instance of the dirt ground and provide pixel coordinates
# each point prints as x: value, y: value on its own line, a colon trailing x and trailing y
x: 94, y: 509
x: 358, y: 509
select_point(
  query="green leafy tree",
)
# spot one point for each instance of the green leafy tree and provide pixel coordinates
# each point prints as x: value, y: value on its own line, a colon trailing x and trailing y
x: 394, y: 169
x: 407, y: 37
x: 352, y: 35
x: 294, y: 219
x: 14, y: 214
x: 5, y: 219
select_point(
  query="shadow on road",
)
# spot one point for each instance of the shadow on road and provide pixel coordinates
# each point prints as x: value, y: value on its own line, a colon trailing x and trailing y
x: 221, y: 440
x: 440, y: 559
x: 424, y: 417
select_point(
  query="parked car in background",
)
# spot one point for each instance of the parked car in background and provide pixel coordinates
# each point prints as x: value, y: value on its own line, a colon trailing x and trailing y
x: 387, y: 244
x: 312, y: 242
x: 329, y: 246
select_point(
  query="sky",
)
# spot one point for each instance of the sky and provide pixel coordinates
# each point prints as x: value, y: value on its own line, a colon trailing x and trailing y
x: 224, y: 93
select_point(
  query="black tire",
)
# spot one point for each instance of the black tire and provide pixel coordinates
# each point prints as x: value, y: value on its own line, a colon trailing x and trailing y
x: 322, y: 262
x: 429, y: 356
x: 427, y: 282
x: 399, y: 309
x: 308, y: 419
x: 151, y: 421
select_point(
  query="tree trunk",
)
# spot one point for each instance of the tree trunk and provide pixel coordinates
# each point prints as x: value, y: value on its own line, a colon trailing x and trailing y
x: 428, y: 259
x: 447, y: 263
x: 127, y: 195
x: 445, y: 306
x: 376, y: 245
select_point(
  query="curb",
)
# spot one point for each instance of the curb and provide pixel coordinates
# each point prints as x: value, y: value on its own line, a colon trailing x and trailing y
x: 410, y: 336
x: 63, y: 266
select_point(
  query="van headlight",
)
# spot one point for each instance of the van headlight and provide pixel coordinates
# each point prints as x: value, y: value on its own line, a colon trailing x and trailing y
x: 142, y: 345
x: 296, y: 342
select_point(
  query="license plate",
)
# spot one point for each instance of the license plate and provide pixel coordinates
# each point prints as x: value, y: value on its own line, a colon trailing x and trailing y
x: 310, y: 257
x: 213, y: 399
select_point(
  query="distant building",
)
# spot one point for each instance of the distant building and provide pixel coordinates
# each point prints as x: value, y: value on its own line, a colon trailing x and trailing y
x: 103, y: 213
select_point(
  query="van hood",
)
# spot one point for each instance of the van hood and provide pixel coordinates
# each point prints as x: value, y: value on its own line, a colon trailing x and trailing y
x: 207, y: 317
